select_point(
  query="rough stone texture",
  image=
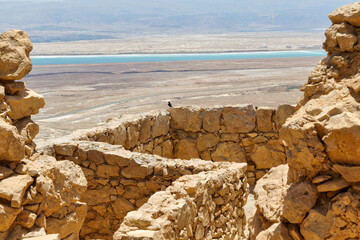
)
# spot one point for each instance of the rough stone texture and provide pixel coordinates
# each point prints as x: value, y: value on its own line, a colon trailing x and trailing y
x: 333, y: 185
x: 264, y: 119
x: 277, y: 231
x: 24, y: 104
x: 185, y: 119
x: 13, y: 188
x: 266, y: 156
x: 350, y: 174
x: 11, y: 144
x: 348, y: 13
x: 12, y: 88
x: 299, y: 199
x: 15, y: 49
x: 270, y: 191
x: 191, y: 208
x: 27, y: 129
x: 240, y: 119
x: 317, y: 225
x: 7, y: 216
x: 229, y: 152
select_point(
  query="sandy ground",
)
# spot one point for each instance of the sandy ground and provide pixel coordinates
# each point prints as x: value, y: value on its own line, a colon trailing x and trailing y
x: 83, y: 96
x: 214, y: 43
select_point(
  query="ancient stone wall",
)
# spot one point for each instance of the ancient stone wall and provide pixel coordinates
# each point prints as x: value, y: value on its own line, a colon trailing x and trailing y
x: 120, y: 181
x: 38, y: 195
x: 228, y: 134
x: 208, y: 205
x: 322, y: 139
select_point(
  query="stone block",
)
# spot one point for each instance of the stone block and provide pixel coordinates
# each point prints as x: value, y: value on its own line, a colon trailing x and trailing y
x: 239, y: 119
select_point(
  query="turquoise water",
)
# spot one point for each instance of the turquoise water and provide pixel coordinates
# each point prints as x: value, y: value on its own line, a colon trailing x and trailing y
x: 90, y: 59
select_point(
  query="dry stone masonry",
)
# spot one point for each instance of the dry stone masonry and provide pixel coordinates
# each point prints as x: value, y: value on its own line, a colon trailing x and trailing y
x: 228, y: 134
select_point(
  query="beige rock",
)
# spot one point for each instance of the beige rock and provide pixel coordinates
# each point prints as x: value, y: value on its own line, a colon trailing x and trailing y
x: 138, y: 172
x: 46, y: 237
x: 27, y: 129
x: 277, y: 231
x: 167, y: 149
x: 294, y: 232
x: 348, y: 13
x: 206, y: 141
x: 26, y: 219
x: 161, y: 126
x: 266, y: 156
x: 145, y: 129
x: 333, y: 185
x: 24, y: 104
x: 106, y: 171
x: 7, y: 216
x: 122, y: 206
x: 283, y: 112
x: 118, y: 158
x: 186, y: 149
x: 12, y: 88
x: 321, y: 178
x: 132, y: 137
x: 211, y: 120
x: 120, y: 135
x: 15, y: 61
x: 5, y: 172
x: 316, y: 226
x: 229, y: 152
x: 349, y: 173
x: 71, y: 224
x: 13, y: 188
x: 185, y: 119
x: 240, y: 119
x: 11, y: 144
x: 264, y: 119
x: 66, y: 149
x: 346, y: 41
x: 270, y: 191
x: 95, y: 156
x: 299, y: 200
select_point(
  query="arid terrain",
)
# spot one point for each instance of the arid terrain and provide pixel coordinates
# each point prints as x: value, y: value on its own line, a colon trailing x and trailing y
x: 83, y: 96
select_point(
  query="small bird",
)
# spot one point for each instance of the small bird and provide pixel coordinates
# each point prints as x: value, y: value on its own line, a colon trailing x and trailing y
x: 169, y: 104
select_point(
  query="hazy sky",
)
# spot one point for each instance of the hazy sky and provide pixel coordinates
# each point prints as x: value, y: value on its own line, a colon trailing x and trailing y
x: 63, y: 20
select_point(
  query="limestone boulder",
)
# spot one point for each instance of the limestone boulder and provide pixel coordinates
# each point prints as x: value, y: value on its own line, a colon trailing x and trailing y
x: 24, y: 104
x: 283, y: 112
x: 270, y: 191
x: 239, y: 119
x: 186, y: 149
x: 15, y: 48
x: 13, y: 188
x: 12, y: 88
x: 317, y: 225
x: 333, y: 185
x: 211, y: 120
x: 145, y: 129
x: 264, y: 119
x: 185, y: 119
x: 349, y: 173
x: 348, y: 13
x: 27, y: 129
x: 5, y: 172
x: 161, y: 125
x: 70, y: 225
x: 266, y: 156
x: 228, y: 152
x: 207, y: 141
x: 277, y: 231
x: 11, y: 143
x: 299, y: 200
x: 7, y: 216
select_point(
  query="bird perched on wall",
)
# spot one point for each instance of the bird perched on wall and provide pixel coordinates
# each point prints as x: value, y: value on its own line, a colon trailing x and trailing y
x: 169, y: 104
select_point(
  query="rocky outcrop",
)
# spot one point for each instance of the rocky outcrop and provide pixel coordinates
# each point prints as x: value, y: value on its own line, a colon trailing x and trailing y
x: 321, y: 140
x: 39, y: 196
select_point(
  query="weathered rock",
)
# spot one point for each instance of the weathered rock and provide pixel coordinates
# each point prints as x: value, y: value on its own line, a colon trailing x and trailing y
x: 132, y: 136
x: 161, y: 126
x: 186, y: 149
x: 264, y: 119
x: 11, y: 144
x: 283, y: 112
x: 145, y: 129
x: 211, y: 120
x: 15, y: 48
x: 206, y: 141
x: 7, y: 216
x: 24, y: 104
x: 316, y: 225
x: 266, y: 156
x: 70, y: 225
x: 26, y: 219
x: 12, y: 88
x: 46, y: 237
x: 240, y: 119
x: 27, y: 129
x: 136, y: 172
x: 349, y: 173
x: 333, y: 185
x: 299, y: 200
x: 5, y: 172
x: 270, y: 191
x: 185, y: 119
x: 321, y: 178
x: 13, y: 188
x: 348, y: 13
x: 228, y: 152
x: 65, y: 149
x: 277, y: 231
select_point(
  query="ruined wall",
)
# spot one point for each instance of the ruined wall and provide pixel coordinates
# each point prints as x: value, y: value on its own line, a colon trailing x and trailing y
x: 38, y: 195
x: 322, y: 139
x: 120, y: 181
x: 228, y: 134
x: 208, y: 205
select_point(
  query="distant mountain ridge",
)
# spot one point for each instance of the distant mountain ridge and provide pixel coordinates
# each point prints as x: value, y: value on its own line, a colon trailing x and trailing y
x: 66, y: 20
